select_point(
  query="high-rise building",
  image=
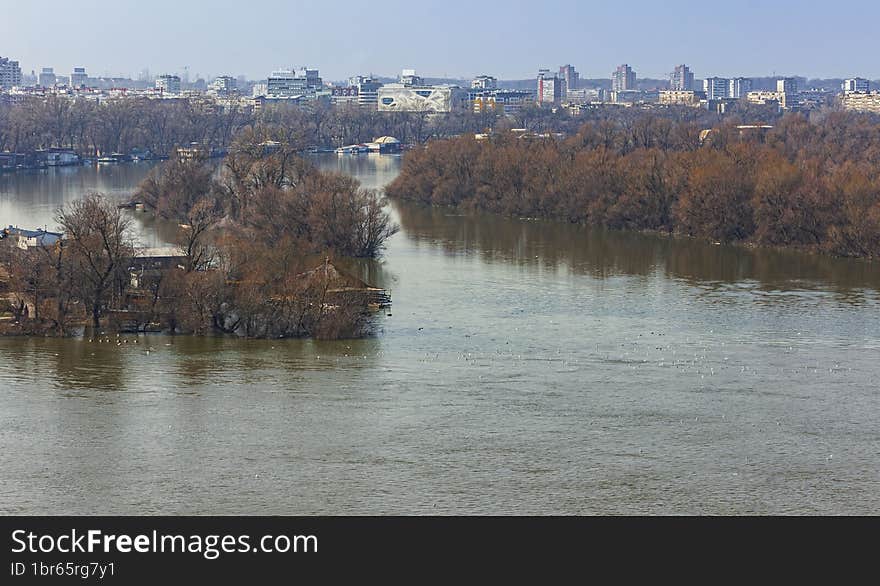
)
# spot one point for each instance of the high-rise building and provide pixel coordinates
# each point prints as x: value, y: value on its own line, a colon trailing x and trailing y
x: 739, y: 87
x: 10, y: 73
x: 623, y: 79
x: 716, y: 88
x: 484, y: 82
x: 682, y: 79
x: 47, y: 77
x: 787, y: 85
x: 78, y: 78
x: 571, y: 76
x: 168, y: 84
x: 550, y: 88
x: 857, y: 85
x: 224, y: 85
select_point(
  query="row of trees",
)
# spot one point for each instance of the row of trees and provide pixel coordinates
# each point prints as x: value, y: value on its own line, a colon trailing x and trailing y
x: 250, y: 235
x: 812, y: 184
x: 123, y: 124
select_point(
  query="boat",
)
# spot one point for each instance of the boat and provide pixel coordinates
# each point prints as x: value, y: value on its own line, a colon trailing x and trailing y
x: 353, y: 149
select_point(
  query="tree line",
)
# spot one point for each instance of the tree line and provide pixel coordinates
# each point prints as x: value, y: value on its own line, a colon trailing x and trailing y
x: 808, y: 183
x: 123, y: 124
x: 158, y: 126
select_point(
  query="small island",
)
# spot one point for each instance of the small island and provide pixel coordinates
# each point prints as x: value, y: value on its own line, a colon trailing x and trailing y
x: 257, y: 252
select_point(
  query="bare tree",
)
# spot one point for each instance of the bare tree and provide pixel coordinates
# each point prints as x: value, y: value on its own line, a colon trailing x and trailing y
x: 100, y: 246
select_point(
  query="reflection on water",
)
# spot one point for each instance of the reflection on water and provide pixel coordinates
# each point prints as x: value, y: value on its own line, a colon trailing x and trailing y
x: 525, y: 367
x: 606, y: 253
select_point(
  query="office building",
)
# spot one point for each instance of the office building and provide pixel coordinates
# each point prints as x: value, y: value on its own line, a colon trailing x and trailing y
x: 224, y: 85
x: 367, y: 91
x: 787, y: 85
x: 409, y: 78
x: 412, y: 95
x: 571, y: 77
x: 716, y: 88
x: 288, y: 83
x: 680, y: 98
x: 623, y: 79
x: 551, y: 88
x: 396, y: 97
x: 682, y: 79
x: 10, y: 73
x: 739, y: 87
x: 857, y: 85
x: 46, y: 77
x: 484, y: 82
x: 78, y: 78
x: 168, y: 84
x: 500, y: 101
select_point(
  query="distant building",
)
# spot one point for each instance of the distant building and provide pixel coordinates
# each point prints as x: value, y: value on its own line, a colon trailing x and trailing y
x: 498, y: 100
x: 682, y: 79
x: 342, y: 95
x: 856, y: 85
x: 716, y: 88
x: 168, y: 84
x: 484, y: 82
x: 551, y: 89
x: 861, y: 102
x: 633, y: 97
x: 781, y: 99
x: 409, y: 78
x: 739, y: 87
x: 412, y: 95
x: 680, y: 98
x: 47, y: 77
x: 367, y: 91
x: 787, y: 85
x: 224, y: 85
x: 623, y: 79
x: 78, y: 78
x: 260, y: 90
x: 10, y: 73
x: 287, y: 83
x: 571, y: 76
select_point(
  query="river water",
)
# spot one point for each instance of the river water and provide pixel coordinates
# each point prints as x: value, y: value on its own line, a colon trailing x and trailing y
x: 526, y: 368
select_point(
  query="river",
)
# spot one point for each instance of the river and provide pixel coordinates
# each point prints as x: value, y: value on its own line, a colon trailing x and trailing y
x: 525, y: 368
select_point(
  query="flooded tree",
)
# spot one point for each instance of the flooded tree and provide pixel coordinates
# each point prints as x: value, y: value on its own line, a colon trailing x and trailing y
x: 97, y: 236
x: 809, y: 184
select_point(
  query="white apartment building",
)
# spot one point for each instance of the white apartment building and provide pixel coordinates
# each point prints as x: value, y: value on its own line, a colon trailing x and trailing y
x: 739, y: 87
x: 168, y: 84
x: 716, y: 88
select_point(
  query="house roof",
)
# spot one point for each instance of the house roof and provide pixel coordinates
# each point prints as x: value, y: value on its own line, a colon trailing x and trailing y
x: 336, y: 279
x: 42, y: 236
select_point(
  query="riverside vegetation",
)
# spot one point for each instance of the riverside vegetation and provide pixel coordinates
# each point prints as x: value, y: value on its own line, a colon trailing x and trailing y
x: 810, y: 184
x: 248, y: 235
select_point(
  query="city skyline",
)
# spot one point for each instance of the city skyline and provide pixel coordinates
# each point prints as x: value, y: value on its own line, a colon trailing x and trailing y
x: 176, y: 38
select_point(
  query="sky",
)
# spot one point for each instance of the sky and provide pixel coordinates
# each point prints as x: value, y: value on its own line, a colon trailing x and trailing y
x: 509, y: 39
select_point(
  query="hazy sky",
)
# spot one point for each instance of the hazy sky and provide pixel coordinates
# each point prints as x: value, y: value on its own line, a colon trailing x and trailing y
x: 509, y: 39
